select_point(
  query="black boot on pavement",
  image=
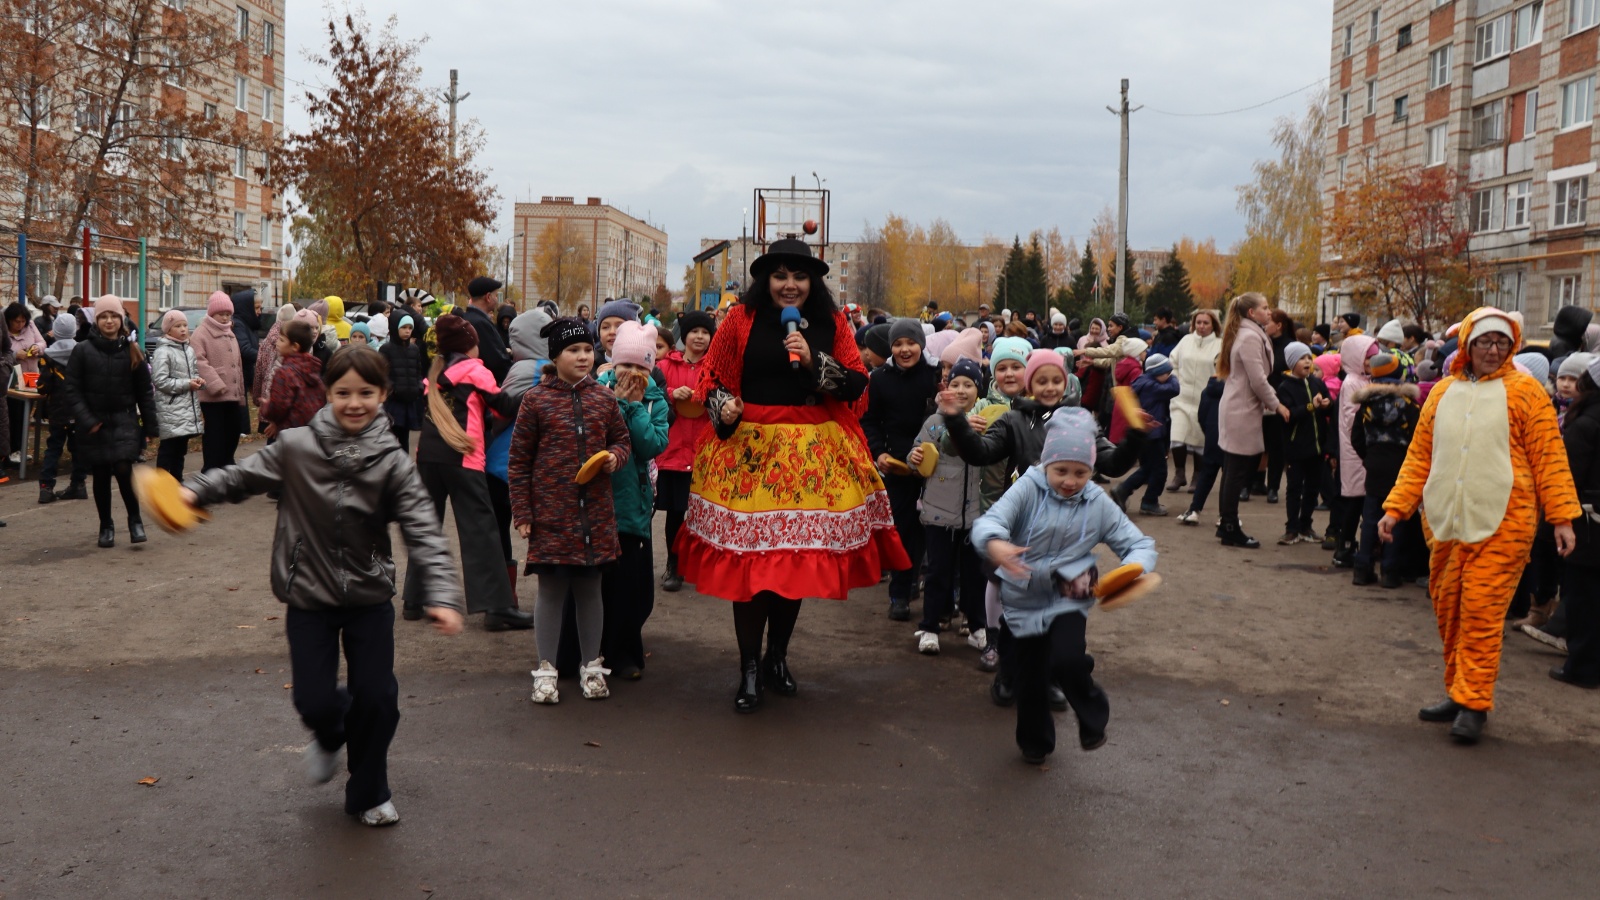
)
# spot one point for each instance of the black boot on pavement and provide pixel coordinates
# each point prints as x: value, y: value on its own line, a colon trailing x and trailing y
x: 1363, y: 577
x: 1469, y: 726
x: 1443, y: 711
x: 108, y: 536
x: 136, y: 533
x: 748, y: 698
x: 507, y: 620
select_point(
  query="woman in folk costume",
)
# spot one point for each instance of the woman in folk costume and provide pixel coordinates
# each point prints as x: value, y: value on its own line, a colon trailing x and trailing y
x: 1486, y: 458
x: 785, y: 501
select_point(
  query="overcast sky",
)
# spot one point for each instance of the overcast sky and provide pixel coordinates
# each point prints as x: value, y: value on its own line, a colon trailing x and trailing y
x: 991, y: 115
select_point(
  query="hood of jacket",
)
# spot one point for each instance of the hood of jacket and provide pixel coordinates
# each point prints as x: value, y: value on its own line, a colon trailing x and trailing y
x: 355, y: 452
x: 65, y: 330
x: 1458, y: 367
x: 244, y: 309
x: 1353, y: 354
x: 1375, y: 389
x: 335, y: 316
x: 526, y: 344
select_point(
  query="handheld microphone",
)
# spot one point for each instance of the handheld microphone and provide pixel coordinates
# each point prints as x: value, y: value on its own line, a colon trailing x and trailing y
x: 790, y: 317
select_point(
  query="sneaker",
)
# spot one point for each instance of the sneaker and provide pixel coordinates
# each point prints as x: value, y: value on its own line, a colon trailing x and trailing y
x: 46, y: 495
x: 1310, y: 536
x: 1330, y: 543
x: 1156, y: 510
x: 379, y: 816
x: 592, y: 678
x: 74, y: 491
x: 989, y: 661
x: 1545, y: 637
x: 899, y: 610
x: 544, y: 684
x: 928, y: 643
x: 321, y: 765
x: 1272, y: 496
x: 1189, y: 518
x: 978, y: 639
x: 1290, y: 538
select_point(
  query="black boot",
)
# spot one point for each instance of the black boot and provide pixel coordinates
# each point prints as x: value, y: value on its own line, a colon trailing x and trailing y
x: 75, y: 491
x: 776, y: 675
x: 1001, y: 691
x: 510, y: 619
x: 1057, y: 698
x: 1391, y: 579
x: 672, y: 582
x: 1469, y: 726
x: 1234, y: 536
x: 47, y: 494
x: 136, y: 532
x: 1443, y: 711
x: 748, y: 697
x: 108, y: 536
x: 1364, y: 577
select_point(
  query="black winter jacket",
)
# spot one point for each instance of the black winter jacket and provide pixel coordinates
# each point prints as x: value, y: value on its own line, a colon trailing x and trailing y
x: 492, y: 347
x: 1582, y: 436
x: 1382, y: 432
x: 106, y: 388
x: 1309, y: 432
x: 898, y: 402
x: 1017, y: 439
x: 1210, y: 407
x: 408, y: 366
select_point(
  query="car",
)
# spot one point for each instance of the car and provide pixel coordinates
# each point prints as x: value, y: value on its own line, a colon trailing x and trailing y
x: 153, y: 334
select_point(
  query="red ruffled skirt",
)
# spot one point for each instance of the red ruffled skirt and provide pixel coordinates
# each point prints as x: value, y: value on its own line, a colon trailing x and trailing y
x: 792, y: 504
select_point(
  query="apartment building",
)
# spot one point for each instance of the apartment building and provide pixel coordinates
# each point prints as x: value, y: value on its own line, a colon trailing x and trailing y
x: 1501, y: 91
x: 628, y: 258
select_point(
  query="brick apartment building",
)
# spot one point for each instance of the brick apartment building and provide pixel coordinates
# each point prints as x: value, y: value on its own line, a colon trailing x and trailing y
x: 629, y: 255
x: 1502, y: 91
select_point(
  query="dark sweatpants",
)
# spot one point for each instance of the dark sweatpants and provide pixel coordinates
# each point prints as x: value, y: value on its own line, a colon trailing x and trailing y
x: 1580, y: 592
x: 904, y: 493
x: 364, y: 714
x: 628, y: 596
x: 1152, y: 474
x: 1205, y: 478
x: 224, y: 423
x: 483, y: 561
x: 954, y: 569
x: 1060, y: 655
x: 1305, y: 479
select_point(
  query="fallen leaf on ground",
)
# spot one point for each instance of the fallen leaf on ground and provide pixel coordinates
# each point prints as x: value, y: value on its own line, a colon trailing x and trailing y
x: 244, y: 626
x: 233, y: 589
x: 148, y: 781
x: 272, y: 618
x: 287, y: 686
x: 1225, y: 703
x: 591, y: 743
x: 261, y: 671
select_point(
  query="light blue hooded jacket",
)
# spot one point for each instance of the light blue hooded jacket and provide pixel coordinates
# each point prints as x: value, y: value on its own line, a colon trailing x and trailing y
x: 1061, y: 534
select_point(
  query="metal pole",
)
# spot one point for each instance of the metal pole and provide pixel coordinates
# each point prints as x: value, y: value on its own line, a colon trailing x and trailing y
x: 22, y: 267
x: 1122, y: 204
x: 144, y: 303
x: 86, y: 289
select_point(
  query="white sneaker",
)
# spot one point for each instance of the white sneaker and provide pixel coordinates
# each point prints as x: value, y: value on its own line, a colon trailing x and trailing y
x: 592, y: 678
x: 928, y: 643
x: 321, y: 765
x: 1189, y: 518
x: 544, y: 684
x: 978, y: 639
x: 379, y: 816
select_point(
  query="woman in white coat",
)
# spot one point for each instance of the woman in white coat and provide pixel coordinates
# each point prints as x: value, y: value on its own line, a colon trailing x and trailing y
x: 1193, y: 361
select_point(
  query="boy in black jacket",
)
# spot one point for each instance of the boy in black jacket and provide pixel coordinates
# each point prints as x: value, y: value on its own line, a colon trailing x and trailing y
x: 1308, y: 440
x: 899, y: 399
x: 1381, y: 436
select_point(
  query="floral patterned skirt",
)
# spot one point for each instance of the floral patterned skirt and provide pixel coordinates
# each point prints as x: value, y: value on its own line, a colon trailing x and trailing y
x: 792, y: 504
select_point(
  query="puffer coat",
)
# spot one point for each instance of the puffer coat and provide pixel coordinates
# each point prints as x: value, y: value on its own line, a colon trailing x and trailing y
x: 172, y: 367
x: 408, y: 366
x: 108, y: 389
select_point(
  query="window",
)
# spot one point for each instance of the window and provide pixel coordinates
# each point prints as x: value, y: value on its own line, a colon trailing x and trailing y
x: 241, y: 162
x: 1349, y: 38
x: 1439, y: 67
x: 1504, y: 291
x: 1577, y: 102
x: 171, y: 290
x: 172, y: 146
x: 1372, y: 97
x: 122, y: 280
x: 238, y: 228
x: 269, y: 38
x: 211, y: 111
x: 1494, y: 39
x: 266, y: 233
x: 267, y: 99
x: 1565, y: 290
x: 123, y: 126
x: 1436, y: 143
x: 1530, y: 114
x: 1372, y: 25
x: 1344, y: 165
x: 1571, y: 206
x: 241, y: 91
x: 1582, y: 14
x: 1401, y: 108
x: 1488, y: 123
x: 1527, y: 25
x: 1517, y: 197
x: 1344, y: 109
x: 1485, y: 210
x: 244, y: 24
x: 88, y: 112
x: 1404, y: 37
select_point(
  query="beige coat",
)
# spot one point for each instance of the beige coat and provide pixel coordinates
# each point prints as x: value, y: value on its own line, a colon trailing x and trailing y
x: 1246, y: 395
x: 1193, y: 361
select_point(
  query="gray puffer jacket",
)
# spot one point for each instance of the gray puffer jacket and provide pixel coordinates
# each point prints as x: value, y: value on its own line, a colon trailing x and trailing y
x: 952, y: 495
x: 172, y: 367
x: 340, y: 491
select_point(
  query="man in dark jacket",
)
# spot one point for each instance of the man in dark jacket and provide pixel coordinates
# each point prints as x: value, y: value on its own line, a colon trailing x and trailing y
x: 247, y: 329
x: 480, y: 312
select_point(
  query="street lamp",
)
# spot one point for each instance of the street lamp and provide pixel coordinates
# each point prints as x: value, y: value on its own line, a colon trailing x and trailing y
x: 508, y: 256
x: 744, y: 248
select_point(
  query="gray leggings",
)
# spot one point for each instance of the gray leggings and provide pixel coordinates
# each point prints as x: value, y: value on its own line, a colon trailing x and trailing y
x: 547, y: 610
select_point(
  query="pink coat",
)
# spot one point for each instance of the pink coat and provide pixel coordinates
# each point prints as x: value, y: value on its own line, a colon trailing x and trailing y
x: 1353, y: 359
x: 217, y: 352
x: 1246, y: 394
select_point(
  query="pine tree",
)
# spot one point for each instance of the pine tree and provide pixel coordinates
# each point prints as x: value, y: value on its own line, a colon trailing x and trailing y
x: 1035, y: 283
x: 1083, y: 284
x: 1172, y: 288
x: 1009, y: 284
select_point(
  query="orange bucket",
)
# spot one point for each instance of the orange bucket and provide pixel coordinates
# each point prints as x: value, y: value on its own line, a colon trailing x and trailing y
x: 30, y: 380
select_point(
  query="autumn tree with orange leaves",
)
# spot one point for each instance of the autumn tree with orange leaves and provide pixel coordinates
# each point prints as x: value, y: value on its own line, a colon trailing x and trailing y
x: 376, y: 173
x: 1400, y: 237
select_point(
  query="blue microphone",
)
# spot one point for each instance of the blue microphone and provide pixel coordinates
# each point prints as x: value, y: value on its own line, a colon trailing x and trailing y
x: 790, y: 317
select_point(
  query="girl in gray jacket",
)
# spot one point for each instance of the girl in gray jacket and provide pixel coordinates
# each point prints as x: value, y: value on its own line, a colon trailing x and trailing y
x: 175, y: 374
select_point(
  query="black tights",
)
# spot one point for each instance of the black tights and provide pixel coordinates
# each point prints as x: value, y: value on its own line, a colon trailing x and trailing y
x: 674, y: 522
x: 123, y: 470
x: 766, y: 612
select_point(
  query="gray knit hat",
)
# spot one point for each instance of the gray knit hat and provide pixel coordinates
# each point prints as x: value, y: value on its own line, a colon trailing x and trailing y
x: 907, y: 328
x: 1575, y: 365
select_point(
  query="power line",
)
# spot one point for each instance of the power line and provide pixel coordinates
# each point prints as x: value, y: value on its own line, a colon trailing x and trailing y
x: 1241, y: 109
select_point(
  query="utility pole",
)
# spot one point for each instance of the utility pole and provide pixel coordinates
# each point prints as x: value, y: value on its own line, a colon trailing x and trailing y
x: 1122, y: 203
x: 454, y: 99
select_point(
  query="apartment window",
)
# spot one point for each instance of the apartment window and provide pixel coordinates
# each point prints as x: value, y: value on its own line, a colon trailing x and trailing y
x: 266, y: 233
x: 1373, y: 23
x: 174, y: 73
x: 1485, y: 210
x: 1504, y: 291
x: 210, y: 111
x: 1372, y: 97
x: 241, y: 162
x: 238, y: 228
x: 1494, y: 39
x: 1527, y: 25
x: 1439, y: 67
x: 1436, y: 142
x: 1577, y: 102
x: 122, y: 127
x: 1582, y: 14
x: 1404, y: 37
x: 1565, y: 290
x: 1344, y: 164
x: 1402, y: 108
x: 175, y: 4
x: 241, y: 91
x: 171, y: 290
x: 267, y: 100
x: 1517, y: 202
x: 36, y: 108
x: 88, y: 112
x: 122, y: 280
x: 244, y: 24
x: 269, y: 38
x: 1530, y: 114
x: 1344, y: 108
x: 172, y: 146
x: 1488, y: 123
x: 1571, y: 206
x: 1349, y: 38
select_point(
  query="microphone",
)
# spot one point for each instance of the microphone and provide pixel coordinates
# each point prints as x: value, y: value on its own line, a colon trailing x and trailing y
x: 790, y: 317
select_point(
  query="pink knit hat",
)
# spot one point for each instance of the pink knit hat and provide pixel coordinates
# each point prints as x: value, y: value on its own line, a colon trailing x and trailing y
x: 967, y: 345
x: 309, y: 315
x: 1037, y: 360
x: 173, y: 317
x: 109, y: 303
x: 635, y: 345
x: 219, y: 302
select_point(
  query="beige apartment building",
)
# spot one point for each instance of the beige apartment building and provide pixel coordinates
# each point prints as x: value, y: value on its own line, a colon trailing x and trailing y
x: 1501, y: 91
x: 629, y: 255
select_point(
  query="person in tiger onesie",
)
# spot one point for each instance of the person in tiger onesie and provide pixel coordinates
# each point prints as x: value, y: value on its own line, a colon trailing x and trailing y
x: 1486, y: 457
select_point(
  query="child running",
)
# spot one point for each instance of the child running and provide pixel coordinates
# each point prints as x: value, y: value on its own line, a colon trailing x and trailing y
x: 343, y: 480
x: 1042, y: 537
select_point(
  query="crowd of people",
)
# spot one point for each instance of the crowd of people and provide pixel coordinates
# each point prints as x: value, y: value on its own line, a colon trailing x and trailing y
x: 802, y: 449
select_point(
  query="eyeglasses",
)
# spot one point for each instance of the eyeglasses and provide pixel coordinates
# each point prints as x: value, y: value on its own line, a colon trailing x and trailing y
x: 1502, y: 344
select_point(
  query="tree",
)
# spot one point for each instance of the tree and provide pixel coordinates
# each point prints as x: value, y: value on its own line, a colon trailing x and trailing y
x: 1085, y: 284
x: 1400, y: 237
x: 869, y: 275
x: 1059, y: 256
x: 1171, y: 289
x: 1282, y: 251
x: 1008, y: 289
x: 106, y: 135
x: 317, y: 274
x: 1035, y: 282
x: 563, y: 265
x: 376, y: 167
x: 1209, y: 271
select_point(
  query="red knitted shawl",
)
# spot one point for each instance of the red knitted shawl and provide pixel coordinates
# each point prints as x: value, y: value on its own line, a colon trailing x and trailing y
x: 724, y: 362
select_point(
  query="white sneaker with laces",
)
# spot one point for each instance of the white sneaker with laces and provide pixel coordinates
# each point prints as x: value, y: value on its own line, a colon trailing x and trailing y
x: 928, y: 643
x: 592, y: 678
x: 978, y: 639
x: 1189, y: 518
x: 379, y: 816
x: 320, y: 764
x: 544, y: 684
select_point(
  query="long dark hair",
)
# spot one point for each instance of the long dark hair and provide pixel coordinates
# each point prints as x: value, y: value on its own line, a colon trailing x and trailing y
x: 819, y: 309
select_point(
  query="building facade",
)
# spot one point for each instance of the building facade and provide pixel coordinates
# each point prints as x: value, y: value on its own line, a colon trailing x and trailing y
x: 628, y: 256
x: 1500, y: 91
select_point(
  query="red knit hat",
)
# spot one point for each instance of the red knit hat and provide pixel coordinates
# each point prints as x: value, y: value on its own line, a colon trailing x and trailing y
x: 454, y: 335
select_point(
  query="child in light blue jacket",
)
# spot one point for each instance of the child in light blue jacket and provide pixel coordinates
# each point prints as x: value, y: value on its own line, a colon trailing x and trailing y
x: 1042, y: 537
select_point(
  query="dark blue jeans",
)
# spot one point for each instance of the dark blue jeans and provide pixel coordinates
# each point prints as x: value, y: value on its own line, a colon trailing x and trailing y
x: 905, y: 491
x: 61, y: 435
x: 1151, y: 474
x: 1368, y: 553
x: 1061, y: 656
x: 953, y: 569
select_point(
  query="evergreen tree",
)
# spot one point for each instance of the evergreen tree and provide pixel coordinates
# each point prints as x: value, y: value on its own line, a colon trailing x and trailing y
x: 1172, y: 288
x: 1083, y: 284
x: 1008, y: 286
x: 1034, y: 284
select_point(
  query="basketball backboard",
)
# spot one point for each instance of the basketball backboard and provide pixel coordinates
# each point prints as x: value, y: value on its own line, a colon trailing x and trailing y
x: 784, y: 212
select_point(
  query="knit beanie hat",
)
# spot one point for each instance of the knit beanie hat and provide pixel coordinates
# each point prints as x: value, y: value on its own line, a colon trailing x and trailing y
x: 1536, y: 364
x: 1328, y: 364
x: 173, y: 317
x: 965, y: 367
x: 693, y: 319
x: 635, y: 344
x: 1037, y: 360
x: 1014, y: 348
x: 1295, y: 352
x: 1384, y: 366
x: 564, y: 332
x: 310, y: 315
x: 936, y: 345
x: 286, y: 313
x: 454, y: 335
x: 365, y: 331
x: 617, y: 309
x: 1058, y: 319
x: 219, y: 302
x: 1427, y: 371
x: 1352, y: 319
x: 1122, y: 321
x: 378, y: 327
x: 906, y: 328
x: 1069, y: 437
x: 876, y: 339
x: 1572, y: 367
x: 967, y: 345
x: 110, y: 303
x: 65, y: 326
x: 1392, y: 331
x: 1156, y: 364
x: 1132, y: 347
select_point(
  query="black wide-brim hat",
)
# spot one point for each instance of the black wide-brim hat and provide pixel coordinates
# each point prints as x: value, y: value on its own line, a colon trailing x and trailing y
x: 796, y: 254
